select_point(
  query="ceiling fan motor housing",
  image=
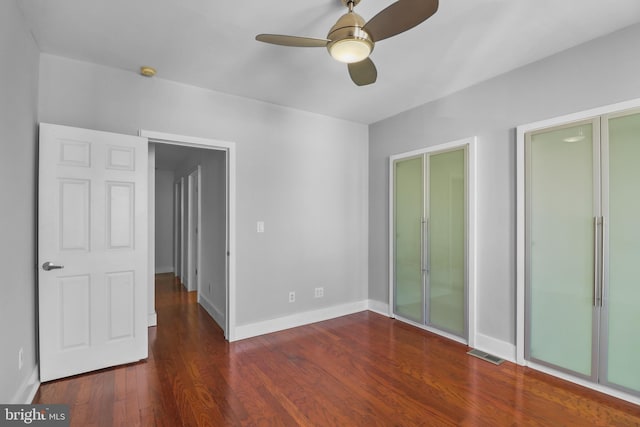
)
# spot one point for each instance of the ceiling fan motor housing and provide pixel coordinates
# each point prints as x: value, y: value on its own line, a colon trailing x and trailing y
x: 349, y: 31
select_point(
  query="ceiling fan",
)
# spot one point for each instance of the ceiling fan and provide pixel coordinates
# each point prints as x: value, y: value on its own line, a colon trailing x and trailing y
x: 351, y: 40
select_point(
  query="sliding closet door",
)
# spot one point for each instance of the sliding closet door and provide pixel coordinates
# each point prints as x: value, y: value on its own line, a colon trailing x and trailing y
x: 408, y: 227
x: 621, y: 315
x: 446, y: 249
x: 562, y: 204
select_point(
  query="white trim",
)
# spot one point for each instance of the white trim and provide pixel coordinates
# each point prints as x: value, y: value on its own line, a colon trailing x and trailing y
x: 194, y: 264
x: 230, y: 148
x: 183, y: 251
x: 152, y: 319
x: 176, y: 228
x: 585, y: 383
x: 497, y: 347
x: 472, y: 292
x: 151, y: 236
x: 208, y: 306
x: 28, y: 389
x: 575, y: 117
x: 520, y: 245
x: 472, y: 178
x: 165, y: 269
x: 298, y: 319
x: 378, y: 307
x: 199, y: 232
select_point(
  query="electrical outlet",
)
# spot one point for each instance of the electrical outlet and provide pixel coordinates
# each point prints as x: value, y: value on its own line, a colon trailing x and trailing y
x: 319, y: 292
x: 292, y: 297
x: 20, y: 358
x: 260, y: 226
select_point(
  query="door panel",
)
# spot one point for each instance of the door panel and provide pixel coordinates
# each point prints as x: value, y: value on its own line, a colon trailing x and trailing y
x: 74, y: 312
x: 622, y: 315
x: 119, y: 210
x: 408, y: 211
x: 74, y: 214
x: 446, y: 242
x: 91, y: 222
x: 560, y: 245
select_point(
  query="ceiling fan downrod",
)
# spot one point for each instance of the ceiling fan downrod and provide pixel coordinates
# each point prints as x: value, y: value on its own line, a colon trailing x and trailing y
x: 350, y: 4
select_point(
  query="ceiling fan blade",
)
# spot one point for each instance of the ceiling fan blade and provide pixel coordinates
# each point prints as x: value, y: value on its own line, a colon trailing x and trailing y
x: 363, y: 73
x: 294, y: 41
x: 399, y: 17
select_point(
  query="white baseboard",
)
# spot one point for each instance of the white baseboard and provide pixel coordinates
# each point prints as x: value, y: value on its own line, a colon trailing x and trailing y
x: 298, y: 319
x: 162, y: 270
x: 152, y: 319
x: 217, y: 315
x: 585, y: 383
x: 503, y: 349
x: 28, y: 389
x: 378, y: 307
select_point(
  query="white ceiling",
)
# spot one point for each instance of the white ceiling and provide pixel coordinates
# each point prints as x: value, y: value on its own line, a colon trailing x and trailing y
x: 210, y: 44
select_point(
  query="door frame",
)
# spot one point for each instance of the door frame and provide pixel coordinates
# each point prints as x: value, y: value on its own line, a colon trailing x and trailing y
x: 183, y: 253
x: 194, y: 227
x: 471, y: 144
x: 230, y: 149
x: 521, y: 131
x: 177, y: 257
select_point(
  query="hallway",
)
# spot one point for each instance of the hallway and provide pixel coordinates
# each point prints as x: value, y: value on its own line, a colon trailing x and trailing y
x: 363, y: 369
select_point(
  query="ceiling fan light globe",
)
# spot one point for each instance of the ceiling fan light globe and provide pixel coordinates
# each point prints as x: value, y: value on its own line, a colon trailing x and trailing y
x: 350, y: 50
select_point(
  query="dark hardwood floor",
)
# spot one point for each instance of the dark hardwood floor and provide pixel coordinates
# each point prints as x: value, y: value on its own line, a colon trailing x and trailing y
x: 358, y: 370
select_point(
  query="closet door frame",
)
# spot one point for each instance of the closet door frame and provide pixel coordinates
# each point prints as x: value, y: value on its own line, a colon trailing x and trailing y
x: 596, y: 212
x: 471, y: 303
x: 604, y: 350
x: 521, y: 207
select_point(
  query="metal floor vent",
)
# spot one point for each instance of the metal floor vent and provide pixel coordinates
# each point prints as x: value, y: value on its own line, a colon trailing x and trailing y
x: 485, y: 356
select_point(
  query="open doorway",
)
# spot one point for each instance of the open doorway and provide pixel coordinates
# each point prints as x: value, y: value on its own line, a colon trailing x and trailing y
x: 193, y: 209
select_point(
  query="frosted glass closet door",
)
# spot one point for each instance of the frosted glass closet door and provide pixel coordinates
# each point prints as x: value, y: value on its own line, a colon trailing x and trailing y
x: 408, y: 210
x: 446, y: 304
x: 622, y: 300
x: 561, y: 206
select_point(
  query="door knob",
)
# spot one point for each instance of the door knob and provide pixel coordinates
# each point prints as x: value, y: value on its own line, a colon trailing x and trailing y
x: 50, y: 266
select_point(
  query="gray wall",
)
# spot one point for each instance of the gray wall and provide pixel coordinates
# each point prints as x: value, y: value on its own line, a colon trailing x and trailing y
x: 597, y: 73
x: 304, y: 174
x: 214, y: 216
x: 164, y: 221
x: 18, y: 140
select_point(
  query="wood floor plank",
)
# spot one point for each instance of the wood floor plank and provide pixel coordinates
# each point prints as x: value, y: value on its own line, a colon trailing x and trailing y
x: 358, y: 370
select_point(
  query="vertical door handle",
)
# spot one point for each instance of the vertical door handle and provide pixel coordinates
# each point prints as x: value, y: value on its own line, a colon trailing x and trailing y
x: 602, y: 237
x: 47, y: 266
x: 425, y: 244
x: 596, y: 262
x: 422, y: 264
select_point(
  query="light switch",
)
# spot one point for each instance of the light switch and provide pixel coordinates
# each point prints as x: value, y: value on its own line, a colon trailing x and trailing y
x: 260, y: 226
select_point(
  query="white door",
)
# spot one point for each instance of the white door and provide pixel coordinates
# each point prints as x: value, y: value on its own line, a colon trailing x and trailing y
x: 92, y: 250
x: 176, y: 231
x: 184, y: 252
x: 194, y: 209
